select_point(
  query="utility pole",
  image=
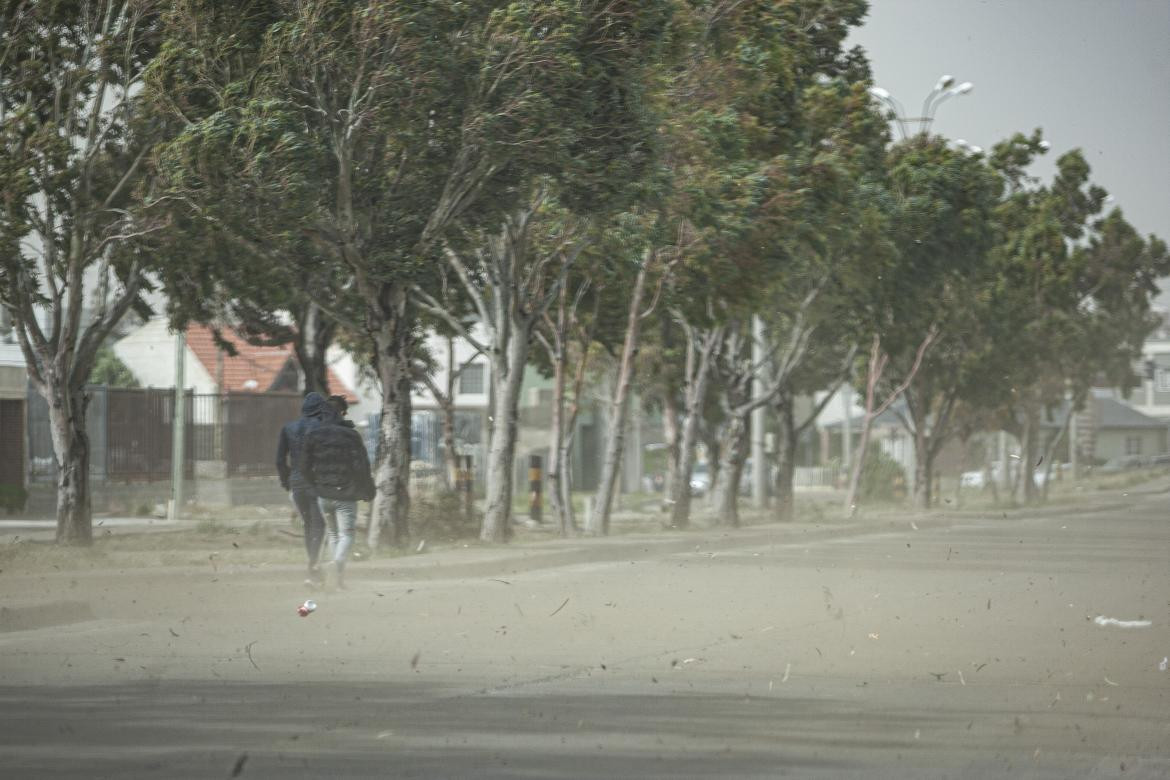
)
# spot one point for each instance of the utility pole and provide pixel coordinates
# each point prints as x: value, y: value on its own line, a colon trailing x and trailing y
x: 178, y: 427
x: 759, y: 467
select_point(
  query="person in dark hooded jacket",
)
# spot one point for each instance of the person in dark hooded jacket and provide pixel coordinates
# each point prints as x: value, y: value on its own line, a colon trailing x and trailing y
x: 334, y: 462
x: 315, y: 411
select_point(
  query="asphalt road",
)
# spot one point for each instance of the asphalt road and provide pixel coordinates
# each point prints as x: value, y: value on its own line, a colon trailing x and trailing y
x: 961, y: 649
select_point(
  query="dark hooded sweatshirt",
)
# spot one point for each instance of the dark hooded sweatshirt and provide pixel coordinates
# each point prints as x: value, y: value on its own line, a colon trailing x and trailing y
x: 315, y: 411
x: 334, y: 462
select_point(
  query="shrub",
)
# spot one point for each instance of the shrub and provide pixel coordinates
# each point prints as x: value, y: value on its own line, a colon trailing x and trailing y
x: 13, y: 498
x: 882, y: 479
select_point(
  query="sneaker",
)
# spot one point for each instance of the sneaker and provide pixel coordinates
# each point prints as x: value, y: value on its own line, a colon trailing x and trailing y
x: 315, y: 579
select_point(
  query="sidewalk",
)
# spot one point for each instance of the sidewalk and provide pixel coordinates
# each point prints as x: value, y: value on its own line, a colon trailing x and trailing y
x: 46, y: 530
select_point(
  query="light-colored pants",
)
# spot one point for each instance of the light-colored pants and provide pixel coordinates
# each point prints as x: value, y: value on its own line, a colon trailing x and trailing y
x: 340, y: 520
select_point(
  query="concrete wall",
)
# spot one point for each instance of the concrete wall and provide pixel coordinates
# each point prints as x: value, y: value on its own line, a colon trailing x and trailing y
x: 133, y: 498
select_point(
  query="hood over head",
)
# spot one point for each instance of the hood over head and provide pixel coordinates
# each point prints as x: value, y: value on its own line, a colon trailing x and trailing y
x: 315, y: 405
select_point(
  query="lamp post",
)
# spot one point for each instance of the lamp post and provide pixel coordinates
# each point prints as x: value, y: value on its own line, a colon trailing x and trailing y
x: 944, y: 89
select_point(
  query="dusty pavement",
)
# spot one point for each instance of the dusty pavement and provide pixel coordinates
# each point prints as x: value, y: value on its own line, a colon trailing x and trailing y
x: 964, y: 648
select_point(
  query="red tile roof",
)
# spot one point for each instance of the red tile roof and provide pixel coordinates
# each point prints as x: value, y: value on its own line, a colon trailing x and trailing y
x: 253, y: 369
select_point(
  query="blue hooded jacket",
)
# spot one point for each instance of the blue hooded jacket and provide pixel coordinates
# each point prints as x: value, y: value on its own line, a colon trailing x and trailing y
x: 315, y: 411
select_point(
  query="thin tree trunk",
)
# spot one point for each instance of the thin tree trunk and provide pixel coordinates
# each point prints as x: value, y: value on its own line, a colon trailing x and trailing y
x: 1050, y: 451
x: 67, y: 412
x: 672, y: 433
x: 1028, y: 456
x: 615, y: 437
x: 785, y: 505
x: 733, y: 454
x: 700, y: 351
x: 923, y: 468
x: 556, y: 463
x: 506, y: 378
x: 712, y: 446
x: 447, y: 412
x: 450, y: 456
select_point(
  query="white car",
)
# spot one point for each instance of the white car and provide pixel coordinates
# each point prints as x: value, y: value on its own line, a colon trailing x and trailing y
x: 972, y: 479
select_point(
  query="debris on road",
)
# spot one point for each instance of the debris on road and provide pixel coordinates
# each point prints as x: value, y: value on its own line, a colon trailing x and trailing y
x: 558, y: 609
x: 1109, y: 682
x: 239, y: 767
x: 1165, y: 664
x: 414, y: 660
x: 787, y: 669
x: 1101, y: 620
x: 248, y: 650
x: 304, y: 609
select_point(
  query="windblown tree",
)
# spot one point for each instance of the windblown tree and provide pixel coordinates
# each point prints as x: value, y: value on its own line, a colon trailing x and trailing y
x: 1073, y: 292
x: 521, y: 276
x: 567, y: 336
x: 650, y: 272
x: 75, y: 180
x: 385, y: 123
x: 737, y: 183
x: 239, y: 255
x: 942, y: 203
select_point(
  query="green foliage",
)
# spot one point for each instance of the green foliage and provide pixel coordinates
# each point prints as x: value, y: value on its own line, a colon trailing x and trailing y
x: 109, y: 370
x: 13, y: 498
x: 882, y: 478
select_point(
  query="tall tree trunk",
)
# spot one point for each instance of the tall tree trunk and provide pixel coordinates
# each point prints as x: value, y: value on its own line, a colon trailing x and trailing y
x: 733, y: 451
x: 1028, y: 455
x: 785, y: 505
x: 700, y: 351
x: 556, y: 460
x: 1050, y: 450
x: 392, y: 469
x: 712, y: 446
x: 314, y: 335
x: 450, y: 456
x: 672, y: 433
x: 615, y: 436
x: 507, y: 375
x: 67, y: 412
x: 923, y: 465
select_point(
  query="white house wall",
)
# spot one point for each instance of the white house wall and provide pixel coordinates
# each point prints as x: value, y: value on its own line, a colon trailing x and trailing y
x: 437, y: 346
x: 149, y: 353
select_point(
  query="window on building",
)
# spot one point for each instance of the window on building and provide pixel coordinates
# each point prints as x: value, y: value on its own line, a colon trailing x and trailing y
x: 471, y: 379
x: 1163, y: 379
x: 1133, y: 445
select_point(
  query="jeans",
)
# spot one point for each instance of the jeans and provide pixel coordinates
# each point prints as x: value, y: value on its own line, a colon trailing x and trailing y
x: 306, y: 503
x: 341, y: 520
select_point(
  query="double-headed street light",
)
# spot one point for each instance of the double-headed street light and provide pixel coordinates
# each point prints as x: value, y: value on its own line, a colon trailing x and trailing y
x: 944, y: 89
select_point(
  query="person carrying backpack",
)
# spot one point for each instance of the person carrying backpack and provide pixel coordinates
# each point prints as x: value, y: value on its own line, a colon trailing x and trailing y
x: 335, y: 464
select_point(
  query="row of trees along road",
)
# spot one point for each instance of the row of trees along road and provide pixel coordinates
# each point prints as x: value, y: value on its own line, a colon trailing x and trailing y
x: 659, y: 191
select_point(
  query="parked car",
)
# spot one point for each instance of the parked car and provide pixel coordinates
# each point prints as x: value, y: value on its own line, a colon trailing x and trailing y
x: 700, y: 479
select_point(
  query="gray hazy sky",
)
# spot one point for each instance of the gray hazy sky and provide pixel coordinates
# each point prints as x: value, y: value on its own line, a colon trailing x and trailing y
x: 1094, y: 74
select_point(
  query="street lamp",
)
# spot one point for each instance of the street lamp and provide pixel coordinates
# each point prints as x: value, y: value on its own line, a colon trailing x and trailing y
x: 944, y: 90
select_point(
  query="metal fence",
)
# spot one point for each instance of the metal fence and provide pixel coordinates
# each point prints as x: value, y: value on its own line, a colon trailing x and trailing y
x: 130, y: 433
